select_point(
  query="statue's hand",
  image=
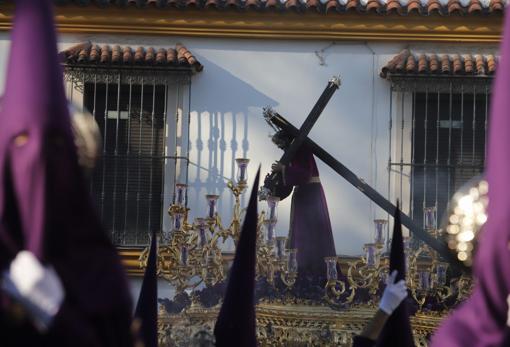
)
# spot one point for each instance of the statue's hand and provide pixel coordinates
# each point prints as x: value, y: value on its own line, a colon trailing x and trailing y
x: 277, y: 167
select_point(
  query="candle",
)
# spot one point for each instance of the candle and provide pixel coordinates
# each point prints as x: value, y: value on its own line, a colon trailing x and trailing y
x: 380, y: 229
x: 292, y: 265
x: 280, y: 247
x: 272, y: 204
x: 371, y: 254
x: 441, y: 274
x: 177, y: 221
x: 202, y: 233
x: 269, y: 226
x: 430, y: 218
x: 242, y: 169
x: 424, y: 280
x: 184, y: 255
x: 180, y: 193
x: 211, y: 203
x: 331, y: 271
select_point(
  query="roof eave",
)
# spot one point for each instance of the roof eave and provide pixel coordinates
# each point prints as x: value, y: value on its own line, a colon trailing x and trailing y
x: 193, y: 69
x: 288, y: 25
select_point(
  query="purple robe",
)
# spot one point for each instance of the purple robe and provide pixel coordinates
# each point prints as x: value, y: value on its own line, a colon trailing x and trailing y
x: 361, y: 341
x: 310, y: 227
x: 481, y: 320
x: 45, y: 205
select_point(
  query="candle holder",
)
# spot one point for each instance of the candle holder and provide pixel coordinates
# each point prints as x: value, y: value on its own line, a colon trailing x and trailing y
x: 272, y: 205
x: 367, y: 273
x: 269, y: 232
x: 373, y: 256
x: 180, y: 194
x: 334, y: 288
x: 191, y: 253
x: 242, y: 171
x: 430, y: 218
x: 381, y: 227
x: 212, y: 201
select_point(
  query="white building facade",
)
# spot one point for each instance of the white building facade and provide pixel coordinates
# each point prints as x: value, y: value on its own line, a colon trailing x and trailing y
x: 395, y: 126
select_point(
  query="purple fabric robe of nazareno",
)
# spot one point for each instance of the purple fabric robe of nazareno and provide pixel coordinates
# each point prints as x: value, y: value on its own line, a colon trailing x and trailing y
x: 361, y: 341
x: 310, y: 226
x: 45, y: 204
x: 481, y: 321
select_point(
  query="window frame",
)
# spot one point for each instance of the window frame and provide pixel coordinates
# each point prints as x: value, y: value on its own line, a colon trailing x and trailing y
x: 177, y: 82
x: 402, y: 127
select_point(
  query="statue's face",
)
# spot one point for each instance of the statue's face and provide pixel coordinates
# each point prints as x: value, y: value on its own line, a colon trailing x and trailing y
x: 280, y: 142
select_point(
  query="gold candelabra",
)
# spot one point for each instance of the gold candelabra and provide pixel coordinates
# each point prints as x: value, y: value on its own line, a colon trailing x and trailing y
x: 191, y: 252
x: 427, y: 276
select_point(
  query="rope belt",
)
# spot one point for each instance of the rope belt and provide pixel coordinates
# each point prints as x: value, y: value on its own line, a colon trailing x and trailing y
x: 315, y: 179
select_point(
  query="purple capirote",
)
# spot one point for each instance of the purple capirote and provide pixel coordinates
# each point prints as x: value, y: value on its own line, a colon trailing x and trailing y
x: 147, y: 306
x: 45, y: 205
x: 397, y: 330
x: 236, y: 326
x: 481, y: 320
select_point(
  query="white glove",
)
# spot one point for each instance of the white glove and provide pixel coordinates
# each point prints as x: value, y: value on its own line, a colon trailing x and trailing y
x: 37, y: 288
x: 393, y: 294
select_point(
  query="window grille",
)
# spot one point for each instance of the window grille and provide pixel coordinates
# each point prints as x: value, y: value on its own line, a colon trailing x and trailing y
x: 438, y: 133
x: 130, y: 184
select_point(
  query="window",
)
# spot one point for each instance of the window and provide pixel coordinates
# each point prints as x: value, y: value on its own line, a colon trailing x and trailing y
x: 448, y: 145
x: 143, y: 118
x: 140, y: 99
x: 438, y: 132
x: 127, y: 184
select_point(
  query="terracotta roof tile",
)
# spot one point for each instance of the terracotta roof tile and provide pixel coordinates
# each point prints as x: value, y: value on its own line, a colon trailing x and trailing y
x: 491, y: 64
x: 422, y: 64
x: 422, y: 7
x: 88, y: 53
x: 410, y: 64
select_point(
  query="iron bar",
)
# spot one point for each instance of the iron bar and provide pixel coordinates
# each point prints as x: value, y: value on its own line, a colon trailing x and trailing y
x: 151, y: 153
x: 389, y: 163
x: 424, y: 201
x: 140, y: 121
x: 449, y: 143
x: 402, y: 126
x: 128, y: 149
x: 413, y: 126
x: 105, y: 130
x: 115, y: 162
x: 438, y: 119
x: 462, y: 124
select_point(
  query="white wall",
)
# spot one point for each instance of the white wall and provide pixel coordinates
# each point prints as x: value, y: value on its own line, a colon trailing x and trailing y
x: 164, y: 289
x: 240, y: 77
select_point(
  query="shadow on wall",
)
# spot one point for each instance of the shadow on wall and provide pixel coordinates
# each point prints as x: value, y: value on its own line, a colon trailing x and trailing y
x: 221, y: 105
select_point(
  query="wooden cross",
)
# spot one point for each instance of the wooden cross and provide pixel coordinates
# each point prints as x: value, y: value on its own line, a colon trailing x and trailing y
x: 438, y: 245
x: 274, y: 181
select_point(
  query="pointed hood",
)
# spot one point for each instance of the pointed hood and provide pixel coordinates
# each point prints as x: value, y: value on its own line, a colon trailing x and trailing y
x: 34, y: 117
x: 45, y: 204
x: 236, y: 322
x: 147, y: 306
x: 480, y: 321
x: 397, y: 330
